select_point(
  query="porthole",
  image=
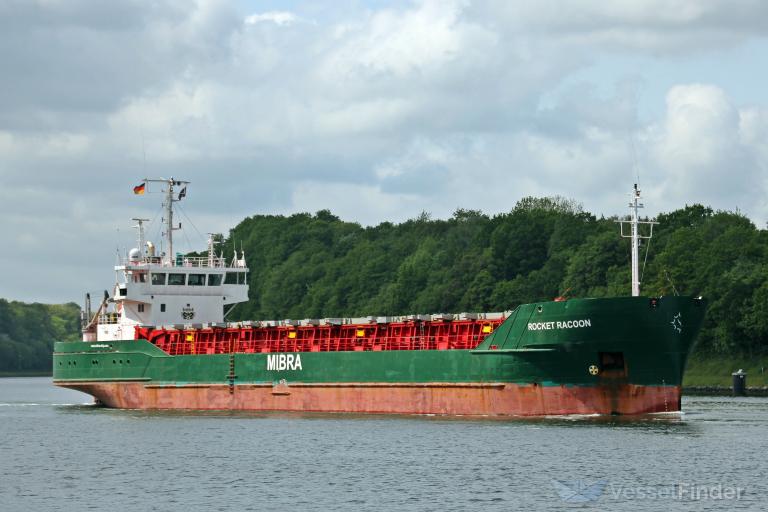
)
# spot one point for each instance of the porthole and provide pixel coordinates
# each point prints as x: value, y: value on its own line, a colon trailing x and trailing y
x: 114, y: 362
x: 539, y: 309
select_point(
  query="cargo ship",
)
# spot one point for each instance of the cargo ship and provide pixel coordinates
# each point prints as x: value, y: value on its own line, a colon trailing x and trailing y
x: 160, y: 340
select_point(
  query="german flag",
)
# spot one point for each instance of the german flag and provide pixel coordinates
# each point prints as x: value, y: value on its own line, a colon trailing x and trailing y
x: 139, y: 190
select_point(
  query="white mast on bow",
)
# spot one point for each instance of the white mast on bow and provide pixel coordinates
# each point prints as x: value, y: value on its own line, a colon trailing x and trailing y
x: 636, y: 236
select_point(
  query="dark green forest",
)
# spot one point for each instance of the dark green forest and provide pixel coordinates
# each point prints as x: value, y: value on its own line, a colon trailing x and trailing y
x: 310, y: 266
x: 27, y: 332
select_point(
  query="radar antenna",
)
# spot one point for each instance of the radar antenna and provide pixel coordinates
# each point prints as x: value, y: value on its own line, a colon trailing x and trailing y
x: 140, y: 227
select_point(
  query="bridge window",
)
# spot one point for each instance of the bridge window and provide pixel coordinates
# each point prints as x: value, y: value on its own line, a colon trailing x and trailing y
x: 158, y: 279
x: 196, y: 280
x: 176, y: 279
x: 214, y: 279
x: 162, y: 308
x: 235, y: 278
x: 141, y: 308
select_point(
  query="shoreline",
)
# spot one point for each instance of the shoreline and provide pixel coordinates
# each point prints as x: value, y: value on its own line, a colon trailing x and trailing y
x: 25, y: 374
x: 721, y: 391
x: 714, y: 372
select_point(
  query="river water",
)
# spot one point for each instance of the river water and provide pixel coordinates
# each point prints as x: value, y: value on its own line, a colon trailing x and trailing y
x: 58, y: 452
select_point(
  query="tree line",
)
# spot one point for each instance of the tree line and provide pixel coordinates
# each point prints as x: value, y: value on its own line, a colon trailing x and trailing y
x: 27, y: 333
x: 316, y: 265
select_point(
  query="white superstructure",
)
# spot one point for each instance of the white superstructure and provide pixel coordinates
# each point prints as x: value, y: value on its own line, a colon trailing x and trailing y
x: 167, y: 289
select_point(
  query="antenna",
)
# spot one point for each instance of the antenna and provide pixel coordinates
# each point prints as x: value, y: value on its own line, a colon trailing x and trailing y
x: 117, y: 246
x: 635, y: 162
x: 635, y: 236
x: 637, y: 93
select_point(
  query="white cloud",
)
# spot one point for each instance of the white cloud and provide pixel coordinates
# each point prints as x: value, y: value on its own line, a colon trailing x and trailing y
x: 276, y: 17
x: 63, y: 145
x: 753, y: 130
x: 706, y: 150
x: 393, y: 43
x: 366, y: 204
x: 673, y: 27
x: 172, y: 125
x: 700, y: 128
x: 376, y: 113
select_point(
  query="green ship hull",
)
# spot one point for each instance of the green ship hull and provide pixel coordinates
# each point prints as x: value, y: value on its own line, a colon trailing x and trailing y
x: 624, y: 355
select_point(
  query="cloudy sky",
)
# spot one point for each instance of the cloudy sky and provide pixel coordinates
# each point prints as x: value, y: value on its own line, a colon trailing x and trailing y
x: 375, y: 110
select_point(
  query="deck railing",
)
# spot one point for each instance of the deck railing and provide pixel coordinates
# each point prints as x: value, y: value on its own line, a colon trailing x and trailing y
x: 185, y: 261
x: 203, y: 261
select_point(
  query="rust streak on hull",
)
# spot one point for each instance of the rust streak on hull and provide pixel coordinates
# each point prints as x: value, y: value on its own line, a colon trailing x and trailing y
x: 430, y: 398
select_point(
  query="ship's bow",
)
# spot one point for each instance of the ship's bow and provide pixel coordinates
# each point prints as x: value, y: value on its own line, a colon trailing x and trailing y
x: 624, y: 355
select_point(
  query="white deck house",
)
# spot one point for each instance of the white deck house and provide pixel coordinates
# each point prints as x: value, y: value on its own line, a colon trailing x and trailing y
x: 160, y: 290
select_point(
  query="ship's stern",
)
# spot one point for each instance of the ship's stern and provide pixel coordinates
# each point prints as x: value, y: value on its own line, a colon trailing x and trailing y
x: 103, y: 370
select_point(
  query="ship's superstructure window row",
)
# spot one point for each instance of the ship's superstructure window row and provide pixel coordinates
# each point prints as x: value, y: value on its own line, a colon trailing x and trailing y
x: 179, y: 279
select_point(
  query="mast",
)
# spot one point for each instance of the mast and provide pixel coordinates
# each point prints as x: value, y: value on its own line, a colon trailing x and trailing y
x: 634, y: 206
x: 169, y: 219
x: 635, y: 236
x: 211, y: 249
x: 168, y: 204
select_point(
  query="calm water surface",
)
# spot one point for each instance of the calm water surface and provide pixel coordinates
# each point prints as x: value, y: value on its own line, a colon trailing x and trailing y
x: 57, y: 452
